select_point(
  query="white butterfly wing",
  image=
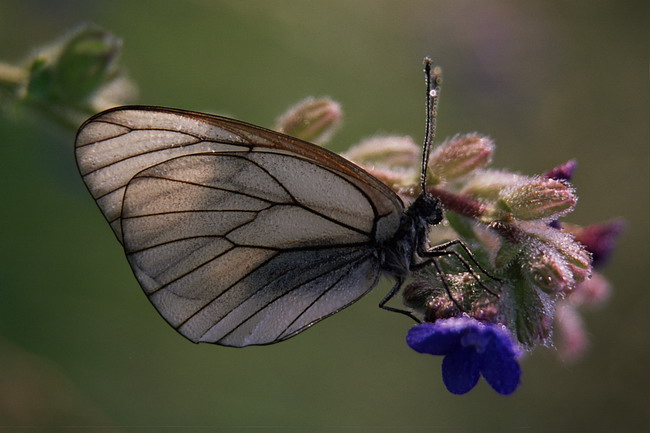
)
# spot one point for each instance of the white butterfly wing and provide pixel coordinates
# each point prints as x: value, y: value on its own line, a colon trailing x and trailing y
x: 237, y: 234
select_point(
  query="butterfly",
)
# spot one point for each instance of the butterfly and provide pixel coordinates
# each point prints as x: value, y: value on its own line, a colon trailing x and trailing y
x: 240, y: 235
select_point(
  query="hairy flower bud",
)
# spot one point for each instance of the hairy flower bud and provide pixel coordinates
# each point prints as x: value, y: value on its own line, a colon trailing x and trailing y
x: 313, y: 120
x: 386, y: 151
x: 488, y: 184
x: 549, y: 269
x: 392, y: 159
x: 579, y: 261
x: 460, y: 156
x: 558, y: 260
x: 537, y: 199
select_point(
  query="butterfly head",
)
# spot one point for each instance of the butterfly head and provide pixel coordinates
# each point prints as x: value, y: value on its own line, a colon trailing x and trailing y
x: 427, y: 209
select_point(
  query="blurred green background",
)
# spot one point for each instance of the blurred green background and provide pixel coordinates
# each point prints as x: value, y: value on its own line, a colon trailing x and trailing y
x: 547, y: 80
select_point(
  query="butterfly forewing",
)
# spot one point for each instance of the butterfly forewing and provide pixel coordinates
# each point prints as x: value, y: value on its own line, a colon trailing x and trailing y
x: 238, y: 235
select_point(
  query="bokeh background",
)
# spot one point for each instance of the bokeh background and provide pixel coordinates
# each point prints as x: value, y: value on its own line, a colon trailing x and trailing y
x: 548, y: 80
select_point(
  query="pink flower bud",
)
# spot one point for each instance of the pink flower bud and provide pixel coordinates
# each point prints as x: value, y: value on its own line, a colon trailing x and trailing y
x: 558, y: 260
x: 392, y: 159
x: 537, y: 199
x: 488, y: 184
x: 399, y: 180
x: 579, y: 261
x: 313, y: 120
x: 386, y: 151
x: 549, y: 270
x: 460, y: 156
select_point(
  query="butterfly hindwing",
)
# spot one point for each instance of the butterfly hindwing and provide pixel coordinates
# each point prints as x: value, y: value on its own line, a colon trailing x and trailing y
x: 231, y: 253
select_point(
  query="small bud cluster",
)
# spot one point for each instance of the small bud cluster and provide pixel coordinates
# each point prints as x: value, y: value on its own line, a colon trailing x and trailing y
x: 540, y: 270
x: 506, y: 218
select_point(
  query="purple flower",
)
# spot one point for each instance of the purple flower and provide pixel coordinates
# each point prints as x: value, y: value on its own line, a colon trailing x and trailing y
x: 599, y: 239
x: 562, y: 171
x: 471, y: 348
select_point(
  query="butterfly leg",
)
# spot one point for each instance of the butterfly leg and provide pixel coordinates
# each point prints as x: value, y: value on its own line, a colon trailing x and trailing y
x: 460, y: 243
x: 393, y: 291
x: 432, y: 259
x: 441, y: 250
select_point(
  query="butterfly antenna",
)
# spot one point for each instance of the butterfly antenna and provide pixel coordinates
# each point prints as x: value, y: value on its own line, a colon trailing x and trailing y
x: 433, y: 76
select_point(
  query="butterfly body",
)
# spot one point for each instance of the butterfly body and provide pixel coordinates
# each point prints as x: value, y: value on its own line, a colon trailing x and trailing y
x: 410, y: 241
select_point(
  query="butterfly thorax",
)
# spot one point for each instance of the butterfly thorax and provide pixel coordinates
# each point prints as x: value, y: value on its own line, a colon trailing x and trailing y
x: 401, y: 252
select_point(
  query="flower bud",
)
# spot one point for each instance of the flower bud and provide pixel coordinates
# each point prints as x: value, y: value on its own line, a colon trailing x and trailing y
x: 556, y: 258
x: 488, y: 184
x: 579, y: 261
x: 386, y: 151
x: 537, y: 199
x: 548, y: 269
x: 392, y: 159
x: 399, y: 180
x: 460, y: 156
x: 313, y: 120
x: 75, y: 68
x: 577, y: 257
x: 70, y: 79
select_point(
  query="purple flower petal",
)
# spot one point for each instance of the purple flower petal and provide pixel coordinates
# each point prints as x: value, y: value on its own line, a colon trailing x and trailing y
x: 460, y: 370
x: 500, y: 367
x: 600, y: 239
x: 563, y: 171
x: 432, y: 338
x: 502, y: 373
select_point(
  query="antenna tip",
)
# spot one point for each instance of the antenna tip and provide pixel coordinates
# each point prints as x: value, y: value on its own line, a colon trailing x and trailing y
x: 427, y: 64
x: 433, y: 75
